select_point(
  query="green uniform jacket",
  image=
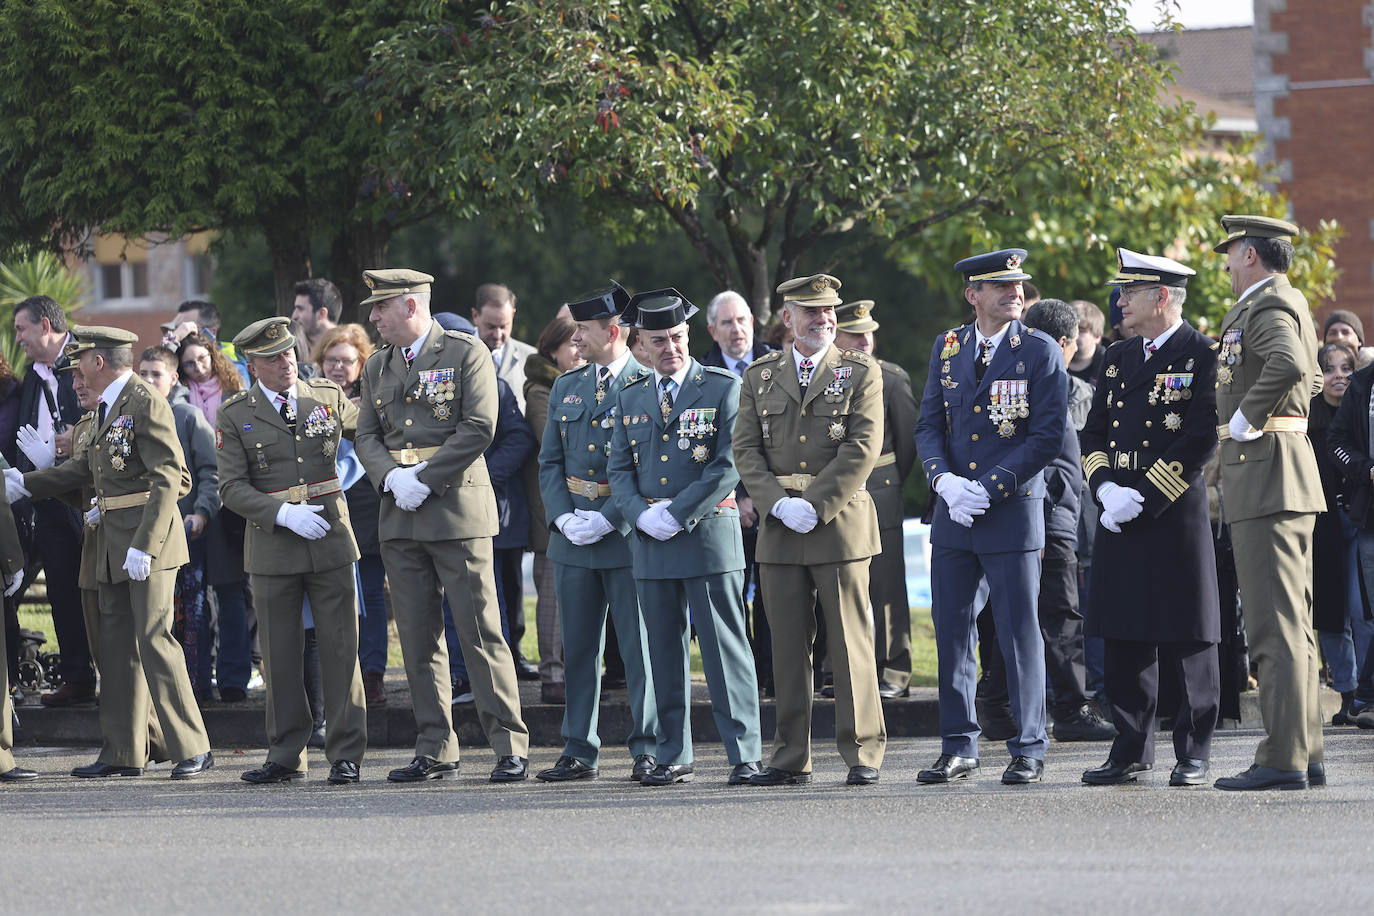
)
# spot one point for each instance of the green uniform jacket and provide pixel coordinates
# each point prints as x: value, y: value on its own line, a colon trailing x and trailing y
x: 689, y: 460
x: 260, y: 456
x: 11, y: 552
x: 835, y: 433
x: 576, y: 443
x: 899, y: 426
x: 1274, y: 373
x: 396, y: 413
x: 137, y: 450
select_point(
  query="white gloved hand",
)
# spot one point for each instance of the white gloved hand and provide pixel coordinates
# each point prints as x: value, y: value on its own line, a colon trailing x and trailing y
x: 651, y: 524
x: 960, y: 517
x: 303, y: 520
x: 574, y: 528
x: 670, y: 524
x: 405, y: 485
x: 1241, y: 430
x: 13, y: 582
x: 138, y: 564
x: 1124, y: 503
x: 796, y: 513
x: 595, y: 525
x: 1109, y: 521
x: 959, y: 493
x: 42, y: 452
x: 14, y: 484
x: 93, y: 513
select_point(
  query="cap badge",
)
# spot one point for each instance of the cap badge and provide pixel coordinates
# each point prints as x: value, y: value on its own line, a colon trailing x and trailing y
x: 820, y: 284
x: 1013, y: 262
x: 273, y: 331
x: 861, y: 312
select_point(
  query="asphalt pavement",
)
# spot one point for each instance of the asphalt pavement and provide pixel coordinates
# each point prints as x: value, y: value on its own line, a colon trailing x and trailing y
x: 217, y: 845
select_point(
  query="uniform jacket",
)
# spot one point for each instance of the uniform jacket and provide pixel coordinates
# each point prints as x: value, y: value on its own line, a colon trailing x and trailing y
x: 11, y: 551
x: 689, y: 460
x: 1273, y: 373
x: 259, y: 456
x: 899, y: 422
x: 957, y: 434
x: 136, y: 450
x: 394, y: 413
x: 512, y: 370
x: 577, y: 443
x: 833, y: 433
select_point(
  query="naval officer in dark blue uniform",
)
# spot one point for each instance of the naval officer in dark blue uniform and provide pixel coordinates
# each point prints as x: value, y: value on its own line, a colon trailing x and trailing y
x: 992, y: 417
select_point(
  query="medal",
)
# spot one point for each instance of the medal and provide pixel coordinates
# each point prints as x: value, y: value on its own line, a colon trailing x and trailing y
x: 117, y: 462
x: 836, y: 431
x: 700, y: 454
x: 328, y: 447
x: 684, y: 443
x: 442, y: 412
x: 1173, y: 422
x: 1006, y: 429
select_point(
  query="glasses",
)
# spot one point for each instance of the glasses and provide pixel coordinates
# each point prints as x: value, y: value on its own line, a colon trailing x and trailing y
x: 338, y: 362
x: 1137, y: 289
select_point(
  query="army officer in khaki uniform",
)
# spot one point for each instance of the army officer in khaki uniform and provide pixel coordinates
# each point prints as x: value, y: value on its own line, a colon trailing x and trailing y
x: 808, y: 435
x: 12, y: 567
x: 1267, y: 375
x: 428, y: 411
x: 133, y: 458
x: 277, y: 443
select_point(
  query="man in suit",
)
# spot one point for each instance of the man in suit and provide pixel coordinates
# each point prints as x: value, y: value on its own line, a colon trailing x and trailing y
x: 887, y: 574
x: 672, y: 470
x: 134, y: 462
x: 806, y: 440
x: 1267, y: 375
x: 1151, y: 429
x: 277, y: 444
x: 994, y: 408
x: 48, y: 405
x: 12, y: 568
x: 588, y: 541
x: 428, y: 411
x: 494, y: 316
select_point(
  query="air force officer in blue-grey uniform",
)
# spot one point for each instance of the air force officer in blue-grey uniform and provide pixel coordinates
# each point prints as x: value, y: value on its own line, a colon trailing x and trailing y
x: 992, y: 417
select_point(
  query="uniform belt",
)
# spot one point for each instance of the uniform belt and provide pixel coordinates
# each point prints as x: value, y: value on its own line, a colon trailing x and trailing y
x: 408, y: 456
x: 1275, y: 425
x: 726, y: 503
x: 302, y: 492
x: 127, y: 501
x: 885, y: 459
x: 588, y: 488
x: 800, y: 482
x: 1126, y: 461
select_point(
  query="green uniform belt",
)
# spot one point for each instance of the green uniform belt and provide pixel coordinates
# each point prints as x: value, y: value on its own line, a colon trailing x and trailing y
x: 408, y: 456
x: 127, y: 501
x: 588, y: 488
x: 1275, y: 425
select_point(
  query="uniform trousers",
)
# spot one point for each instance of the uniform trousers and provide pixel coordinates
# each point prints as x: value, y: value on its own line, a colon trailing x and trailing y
x: 143, y: 672
x: 1273, y: 556
x: 157, y: 747
x: 584, y: 598
x: 281, y: 628
x: 842, y: 589
x: 6, y: 713
x: 462, y: 567
x: 547, y: 628
x: 1133, y: 674
x: 718, y: 614
x: 891, y: 610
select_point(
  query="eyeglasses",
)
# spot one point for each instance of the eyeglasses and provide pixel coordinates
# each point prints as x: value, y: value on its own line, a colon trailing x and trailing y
x: 339, y: 362
x: 1137, y: 289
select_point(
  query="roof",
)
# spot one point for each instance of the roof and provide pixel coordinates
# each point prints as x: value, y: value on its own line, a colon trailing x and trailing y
x: 1219, y: 62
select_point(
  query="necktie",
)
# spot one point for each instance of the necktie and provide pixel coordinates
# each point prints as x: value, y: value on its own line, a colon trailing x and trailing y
x: 410, y: 357
x: 288, y: 414
x: 980, y: 365
x: 496, y: 358
x: 739, y: 367
x: 603, y: 377
x: 1150, y: 349
x: 100, y: 415
x: 666, y: 403
x: 804, y: 378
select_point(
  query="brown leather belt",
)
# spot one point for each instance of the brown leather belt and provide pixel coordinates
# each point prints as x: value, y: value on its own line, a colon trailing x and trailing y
x: 408, y: 456
x: 800, y: 482
x: 304, y: 492
x: 127, y: 501
x: 588, y: 488
x: 726, y: 503
x: 1275, y: 425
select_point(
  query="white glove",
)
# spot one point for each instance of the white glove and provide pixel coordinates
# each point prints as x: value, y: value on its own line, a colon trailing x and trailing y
x: 959, y: 493
x: 960, y: 517
x: 93, y: 513
x: 574, y: 528
x: 657, y: 523
x: 405, y: 485
x: 665, y: 518
x: 13, y: 582
x: 42, y: 452
x: 1123, y: 503
x: 796, y: 513
x: 595, y: 525
x: 14, y: 484
x: 138, y: 564
x: 1241, y: 430
x: 303, y: 520
x: 1109, y: 522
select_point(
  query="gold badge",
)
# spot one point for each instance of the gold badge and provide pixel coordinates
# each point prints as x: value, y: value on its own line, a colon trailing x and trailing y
x: 1006, y: 429
x: 700, y: 454
x: 1224, y: 375
x: 944, y: 367
x: 836, y: 431
x: 442, y: 412
x: 1111, y: 371
x: 328, y: 446
x: 117, y: 462
x: 1173, y: 421
x: 273, y: 331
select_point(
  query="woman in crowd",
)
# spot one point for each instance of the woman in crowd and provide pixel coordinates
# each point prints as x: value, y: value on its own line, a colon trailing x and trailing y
x: 208, y: 375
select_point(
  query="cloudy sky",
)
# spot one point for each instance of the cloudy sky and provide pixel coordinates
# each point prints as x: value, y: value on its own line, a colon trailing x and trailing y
x: 1195, y: 14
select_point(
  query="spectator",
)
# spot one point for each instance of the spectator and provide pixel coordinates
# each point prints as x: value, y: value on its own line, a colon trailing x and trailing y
x: 1343, y: 327
x: 1087, y: 359
x: 493, y: 317
x: 199, y: 316
x: 316, y: 309
x: 208, y: 375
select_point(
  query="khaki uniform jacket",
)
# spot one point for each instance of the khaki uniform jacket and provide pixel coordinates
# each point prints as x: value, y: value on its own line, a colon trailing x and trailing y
x: 259, y: 456
x: 1273, y: 374
x: 834, y: 433
x: 899, y: 423
x: 140, y: 423
x: 11, y: 552
x: 396, y: 414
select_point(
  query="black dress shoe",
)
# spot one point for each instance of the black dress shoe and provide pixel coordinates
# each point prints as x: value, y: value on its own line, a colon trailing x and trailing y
x: 1316, y: 775
x: 567, y: 769
x: 232, y: 694
x: 772, y: 776
x: 996, y: 722
x: 892, y: 691
x: 948, y: 768
x: 17, y: 774
x: 422, y: 768
x: 343, y: 772
x: 270, y: 772
x: 100, y: 770
x: 193, y: 766
x: 861, y: 776
x: 1361, y: 714
x: 743, y: 772
x: 1258, y: 777
x: 665, y: 774
x: 1023, y: 770
x: 1084, y: 725
x: 1190, y: 771
x: 524, y: 670
x: 644, y: 765
x: 510, y: 769
x: 1114, y: 772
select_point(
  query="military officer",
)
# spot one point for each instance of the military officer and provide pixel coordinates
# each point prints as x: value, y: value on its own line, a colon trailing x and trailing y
x: 1267, y: 374
x: 672, y: 470
x: 133, y: 459
x: 887, y: 574
x: 427, y: 412
x: 276, y: 444
x: 808, y: 435
x: 12, y: 567
x: 994, y: 409
x: 1151, y: 429
x: 588, y: 540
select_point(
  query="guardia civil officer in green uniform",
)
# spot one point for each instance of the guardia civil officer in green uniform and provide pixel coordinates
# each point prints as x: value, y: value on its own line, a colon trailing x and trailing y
x: 277, y: 443
x: 428, y: 411
x: 855, y: 326
x: 672, y: 471
x: 1267, y: 374
x: 12, y: 569
x: 588, y: 540
x: 134, y: 462
x: 808, y: 436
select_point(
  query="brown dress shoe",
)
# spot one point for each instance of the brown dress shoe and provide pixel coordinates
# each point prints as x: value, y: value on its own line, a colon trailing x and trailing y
x: 374, y: 689
x: 70, y: 695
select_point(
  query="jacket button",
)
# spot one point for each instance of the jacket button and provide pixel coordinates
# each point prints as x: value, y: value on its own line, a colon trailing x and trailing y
x: 665, y: 437
x: 564, y: 417
x: 974, y: 437
x: 1112, y: 444
x: 1148, y: 424
x: 410, y: 400
x: 1115, y: 424
x: 977, y: 408
x: 591, y: 448
x: 1118, y: 404
x: 300, y: 460
x: 634, y: 441
x: 1145, y: 444
x: 662, y: 457
x: 973, y: 465
x: 1242, y: 457
x: 801, y: 438
x: 802, y: 465
x: 409, y: 421
x: 663, y: 480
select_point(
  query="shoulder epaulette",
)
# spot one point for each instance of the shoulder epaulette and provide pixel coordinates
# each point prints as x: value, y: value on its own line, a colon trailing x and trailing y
x: 770, y: 356
x: 859, y: 356
x: 717, y: 370
x: 460, y: 335
x: 638, y: 379
x: 236, y: 396
x: 320, y: 381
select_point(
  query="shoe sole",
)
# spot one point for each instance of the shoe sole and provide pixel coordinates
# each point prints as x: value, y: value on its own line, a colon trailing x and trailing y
x: 861, y: 782
x: 502, y: 777
x: 588, y: 775
x: 342, y: 780
x: 667, y: 782
x: 272, y: 782
x: 133, y: 772
x: 1286, y: 786
x: 945, y: 780
x: 1110, y: 782
x: 799, y: 780
x: 437, y: 774
x: 1184, y: 783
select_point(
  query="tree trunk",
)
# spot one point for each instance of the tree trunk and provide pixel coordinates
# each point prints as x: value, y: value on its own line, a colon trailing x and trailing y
x: 355, y: 249
x: 288, y: 245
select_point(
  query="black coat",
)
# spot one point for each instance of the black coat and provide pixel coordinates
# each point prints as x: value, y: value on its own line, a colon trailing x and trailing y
x: 1330, y: 549
x: 31, y: 400
x: 1348, y: 447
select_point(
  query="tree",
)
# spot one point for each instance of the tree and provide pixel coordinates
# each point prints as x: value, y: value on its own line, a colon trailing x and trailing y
x: 760, y: 129
x: 44, y: 274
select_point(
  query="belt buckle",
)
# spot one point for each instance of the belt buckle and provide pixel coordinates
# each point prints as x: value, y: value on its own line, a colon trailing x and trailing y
x: 589, y: 488
x: 1123, y: 460
x: 802, y: 481
x: 299, y: 494
x: 409, y: 456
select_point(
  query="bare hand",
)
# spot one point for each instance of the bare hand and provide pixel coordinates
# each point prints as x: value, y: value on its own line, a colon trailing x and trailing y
x: 748, y: 515
x: 195, y: 524
x: 63, y: 441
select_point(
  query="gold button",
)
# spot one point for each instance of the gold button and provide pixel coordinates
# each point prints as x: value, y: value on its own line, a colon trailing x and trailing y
x: 300, y: 460
x: 946, y: 403
x: 765, y: 412
x: 1148, y: 424
x: 408, y: 421
x: 302, y: 480
x: 801, y: 438
x: 973, y: 465
x: 590, y: 472
x: 1145, y: 444
x: 634, y: 441
x: 977, y: 409
x: 802, y: 465
x: 663, y: 480
x: 1120, y: 403
x: 591, y: 448
x: 409, y: 400
x: 1242, y: 457
x: 379, y: 402
x: 1115, y: 423
x: 974, y: 437
x: 259, y: 445
x: 834, y: 412
x: 298, y: 438
x: 665, y: 437
x: 410, y: 445
x: 1112, y: 444
x: 564, y: 417
x: 662, y: 457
